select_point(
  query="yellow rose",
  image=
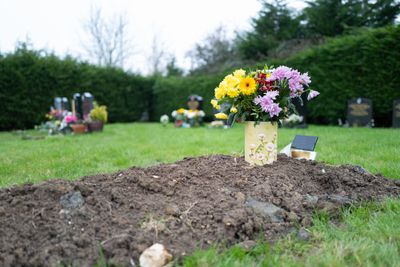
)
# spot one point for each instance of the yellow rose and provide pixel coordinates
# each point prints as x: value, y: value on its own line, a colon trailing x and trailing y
x: 247, y: 86
x: 220, y: 91
x: 214, y: 102
x: 233, y: 110
x: 232, y: 92
x: 221, y: 116
x: 231, y: 81
x: 239, y: 73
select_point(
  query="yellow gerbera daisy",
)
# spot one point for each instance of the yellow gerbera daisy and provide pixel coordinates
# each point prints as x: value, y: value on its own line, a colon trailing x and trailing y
x: 221, y: 116
x: 247, y: 86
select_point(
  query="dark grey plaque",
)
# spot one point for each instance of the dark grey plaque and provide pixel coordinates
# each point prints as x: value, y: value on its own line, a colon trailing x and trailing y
x: 87, y: 104
x: 304, y: 142
x: 359, y: 112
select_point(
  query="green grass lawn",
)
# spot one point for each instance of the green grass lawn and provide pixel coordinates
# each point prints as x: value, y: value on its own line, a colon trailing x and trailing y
x: 369, y: 235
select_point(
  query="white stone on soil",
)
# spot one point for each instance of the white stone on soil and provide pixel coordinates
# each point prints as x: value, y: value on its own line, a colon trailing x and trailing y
x: 155, y: 256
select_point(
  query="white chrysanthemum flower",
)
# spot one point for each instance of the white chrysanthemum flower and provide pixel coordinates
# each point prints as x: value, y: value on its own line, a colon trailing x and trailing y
x: 164, y: 119
x: 190, y: 115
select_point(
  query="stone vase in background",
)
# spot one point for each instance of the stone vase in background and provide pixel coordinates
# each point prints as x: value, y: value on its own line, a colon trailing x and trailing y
x: 261, y: 142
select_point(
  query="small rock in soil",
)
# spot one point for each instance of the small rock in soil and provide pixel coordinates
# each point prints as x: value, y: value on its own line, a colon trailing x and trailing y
x: 342, y: 200
x: 72, y: 200
x: 311, y: 200
x: 303, y: 234
x: 240, y: 197
x: 268, y: 210
x: 292, y: 217
x: 155, y: 256
x: 172, y: 209
x: 359, y: 169
x: 247, y: 245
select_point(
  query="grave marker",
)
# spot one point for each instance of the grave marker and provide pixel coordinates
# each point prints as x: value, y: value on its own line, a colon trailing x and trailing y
x: 396, y: 114
x: 304, y: 142
x: 302, y: 147
x: 78, y: 105
x: 64, y: 103
x: 87, y: 104
x: 359, y: 112
x: 57, y: 103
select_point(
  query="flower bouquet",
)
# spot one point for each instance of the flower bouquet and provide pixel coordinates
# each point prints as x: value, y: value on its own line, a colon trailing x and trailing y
x: 179, y: 116
x: 261, y: 98
x: 188, y: 118
x: 97, y: 118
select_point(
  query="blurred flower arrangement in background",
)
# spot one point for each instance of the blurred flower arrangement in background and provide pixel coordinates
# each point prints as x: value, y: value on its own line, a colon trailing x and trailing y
x: 187, y: 117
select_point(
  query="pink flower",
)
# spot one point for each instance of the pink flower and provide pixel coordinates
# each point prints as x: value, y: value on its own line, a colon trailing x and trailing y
x: 280, y: 73
x: 305, y: 79
x: 312, y: 94
x: 70, y: 118
x: 266, y: 102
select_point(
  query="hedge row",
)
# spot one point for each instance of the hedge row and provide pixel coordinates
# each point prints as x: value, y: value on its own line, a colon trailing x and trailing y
x: 363, y: 65
x: 29, y: 81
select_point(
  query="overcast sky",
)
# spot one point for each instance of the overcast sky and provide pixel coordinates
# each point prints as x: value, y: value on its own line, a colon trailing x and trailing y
x: 57, y: 25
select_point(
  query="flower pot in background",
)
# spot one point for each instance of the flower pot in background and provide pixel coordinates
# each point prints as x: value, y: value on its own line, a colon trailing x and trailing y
x: 78, y: 128
x: 95, y: 126
x: 261, y: 142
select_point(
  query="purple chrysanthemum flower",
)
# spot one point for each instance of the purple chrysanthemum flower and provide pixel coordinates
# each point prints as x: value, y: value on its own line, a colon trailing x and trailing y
x: 281, y: 73
x: 305, y: 79
x: 266, y: 102
x: 312, y: 94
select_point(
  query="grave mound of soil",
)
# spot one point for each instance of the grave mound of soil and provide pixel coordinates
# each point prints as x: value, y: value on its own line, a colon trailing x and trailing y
x: 187, y: 205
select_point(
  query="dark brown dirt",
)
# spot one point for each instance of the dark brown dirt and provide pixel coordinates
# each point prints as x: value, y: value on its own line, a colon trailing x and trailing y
x: 190, y: 204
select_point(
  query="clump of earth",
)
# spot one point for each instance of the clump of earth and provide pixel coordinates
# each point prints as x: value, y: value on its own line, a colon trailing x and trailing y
x: 191, y: 204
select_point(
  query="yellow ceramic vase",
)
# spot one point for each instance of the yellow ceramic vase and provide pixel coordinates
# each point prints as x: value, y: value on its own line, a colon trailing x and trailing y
x: 261, y: 142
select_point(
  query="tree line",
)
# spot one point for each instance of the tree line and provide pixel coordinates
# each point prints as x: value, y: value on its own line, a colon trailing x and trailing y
x: 279, y: 31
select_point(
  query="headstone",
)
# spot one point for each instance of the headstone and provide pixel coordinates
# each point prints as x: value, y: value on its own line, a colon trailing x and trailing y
x: 64, y: 103
x: 396, y: 114
x: 57, y: 103
x: 195, y: 102
x: 145, y: 116
x: 359, y: 112
x: 87, y: 104
x: 78, y: 105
